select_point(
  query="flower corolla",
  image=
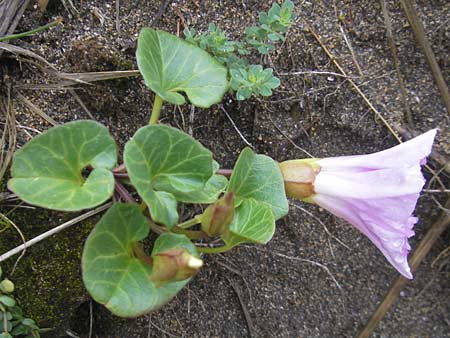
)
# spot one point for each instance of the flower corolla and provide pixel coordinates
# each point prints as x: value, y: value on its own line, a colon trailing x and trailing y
x: 377, y: 193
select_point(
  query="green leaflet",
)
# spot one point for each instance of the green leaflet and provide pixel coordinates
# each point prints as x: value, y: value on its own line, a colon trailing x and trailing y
x: 47, y: 171
x: 112, y: 273
x: 213, y: 188
x: 260, y: 199
x: 171, y: 65
x: 162, y: 163
x: 253, y: 222
x: 259, y: 177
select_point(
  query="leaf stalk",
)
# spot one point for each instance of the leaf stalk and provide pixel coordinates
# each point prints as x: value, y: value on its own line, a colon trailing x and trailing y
x: 189, y: 223
x: 157, y: 104
x: 215, y: 250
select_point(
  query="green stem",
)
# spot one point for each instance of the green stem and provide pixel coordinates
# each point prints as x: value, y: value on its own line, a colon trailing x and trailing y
x: 157, y: 229
x: 191, y: 234
x: 36, y: 30
x: 189, y: 223
x: 157, y: 104
x: 217, y: 249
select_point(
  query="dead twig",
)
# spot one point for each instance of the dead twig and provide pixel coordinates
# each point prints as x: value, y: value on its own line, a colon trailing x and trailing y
x: 321, y: 223
x: 35, y: 109
x: 161, y: 10
x: 350, y: 47
x: 81, y: 103
x: 304, y: 260
x: 10, y: 14
x: 8, y: 139
x: 234, y: 270
x: 288, y: 138
x: 393, y: 48
x: 118, y: 16
x: 25, y: 52
x: 86, y: 78
x: 312, y: 72
x: 22, y: 237
x: 441, y: 254
x: 354, y: 85
x: 236, y: 128
x: 419, y: 254
x: 150, y: 324
x: 421, y: 37
x: 248, y: 318
x: 91, y: 318
x: 53, y: 231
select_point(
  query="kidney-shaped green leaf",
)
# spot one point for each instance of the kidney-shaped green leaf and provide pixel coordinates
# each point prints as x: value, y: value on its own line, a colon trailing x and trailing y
x: 114, y: 275
x: 163, y: 161
x: 171, y: 65
x: 259, y: 177
x: 253, y: 222
x: 47, y: 171
x: 209, y: 194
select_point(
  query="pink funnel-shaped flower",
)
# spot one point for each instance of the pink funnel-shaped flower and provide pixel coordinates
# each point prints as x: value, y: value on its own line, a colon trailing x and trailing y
x: 377, y: 193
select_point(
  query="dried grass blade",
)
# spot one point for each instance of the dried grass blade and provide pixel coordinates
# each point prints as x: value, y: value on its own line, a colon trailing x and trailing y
x: 8, y: 140
x: 97, y: 76
x: 35, y: 109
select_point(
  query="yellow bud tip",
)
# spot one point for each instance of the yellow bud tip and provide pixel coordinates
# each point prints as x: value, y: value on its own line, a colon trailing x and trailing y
x: 194, y: 263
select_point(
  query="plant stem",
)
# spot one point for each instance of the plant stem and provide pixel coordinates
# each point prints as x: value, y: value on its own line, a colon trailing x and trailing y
x: 156, y: 228
x: 36, y: 30
x: 191, y: 234
x: 120, y: 175
x: 225, y: 172
x: 217, y: 249
x: 119, y: 169
x: 123, y: 192
x: 189, y: 223
x: 157, y: 104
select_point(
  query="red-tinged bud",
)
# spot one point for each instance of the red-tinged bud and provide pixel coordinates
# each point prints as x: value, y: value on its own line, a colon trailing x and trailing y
x: 217, y: 217
x: 174, y: 265
x: 299, y: 177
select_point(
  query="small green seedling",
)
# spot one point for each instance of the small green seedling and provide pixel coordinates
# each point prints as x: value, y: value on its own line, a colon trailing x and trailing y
x: 14, y: 324
x: 247, y: 80
x: 253, y: 80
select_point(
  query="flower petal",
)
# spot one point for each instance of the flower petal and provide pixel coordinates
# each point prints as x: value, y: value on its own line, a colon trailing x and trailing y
x: 387, y: 229
x: 408, y: 153
x: 370, y: 184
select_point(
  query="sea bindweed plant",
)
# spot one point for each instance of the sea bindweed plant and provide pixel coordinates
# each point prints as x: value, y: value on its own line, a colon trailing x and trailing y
x: 72, y: 167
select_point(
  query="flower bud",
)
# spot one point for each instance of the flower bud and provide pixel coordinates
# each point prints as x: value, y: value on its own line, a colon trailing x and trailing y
x: 6, y: 286
x: 174, y: 265
x: 299, y: 177
x: 217, y: 217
